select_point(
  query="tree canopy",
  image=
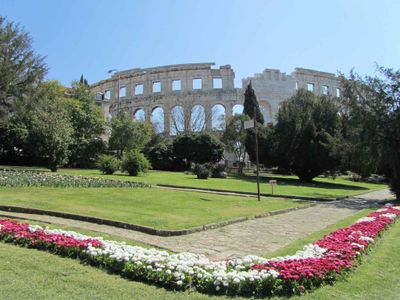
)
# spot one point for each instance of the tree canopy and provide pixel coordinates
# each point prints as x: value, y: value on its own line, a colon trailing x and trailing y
x: 234, y: 138
x: 198, y: 148
x: 88, y: 124
x: 128, y: 134
x: 304, y: 124
x: 371, y: 135
x: 21, y: 70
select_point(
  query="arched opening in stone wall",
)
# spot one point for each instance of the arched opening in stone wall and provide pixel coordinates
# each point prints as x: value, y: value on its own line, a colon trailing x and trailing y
x: 266, y: 111
x: 198, y: 118
x: 218, y: 117
x: 157, y: 119
x: 139, y: 115
x: 177, y: 120
x: 237, y: 109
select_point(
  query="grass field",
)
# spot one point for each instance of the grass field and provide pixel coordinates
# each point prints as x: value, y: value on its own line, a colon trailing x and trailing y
x: 158, y: 208
x: 287, y: 185
x: 31, y: 274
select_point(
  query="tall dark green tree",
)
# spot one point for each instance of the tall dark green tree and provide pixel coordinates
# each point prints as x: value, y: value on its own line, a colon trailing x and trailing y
x: 251, y: 104
x: 371, y: 112
x: 21, y: 70
x: 252, y: 109
x: 83, y: 81
x: 304, y: 125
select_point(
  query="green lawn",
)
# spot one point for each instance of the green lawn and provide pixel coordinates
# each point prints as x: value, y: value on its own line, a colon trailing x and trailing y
x: 287, y: 185
x: 158, y: 208
x: 32, y: 274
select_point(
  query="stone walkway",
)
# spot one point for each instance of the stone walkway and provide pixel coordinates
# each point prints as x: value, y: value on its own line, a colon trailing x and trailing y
x: 258, y: 236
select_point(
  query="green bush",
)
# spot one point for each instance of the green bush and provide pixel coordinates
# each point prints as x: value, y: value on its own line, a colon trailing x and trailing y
x: 202, y: 171
x: 218, y: 171
x: 135, y: 162
x: 108, y: 164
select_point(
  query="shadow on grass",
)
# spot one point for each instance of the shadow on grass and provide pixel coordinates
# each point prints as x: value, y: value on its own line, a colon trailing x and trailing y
x: 297, y: 182
x: 205, y: 199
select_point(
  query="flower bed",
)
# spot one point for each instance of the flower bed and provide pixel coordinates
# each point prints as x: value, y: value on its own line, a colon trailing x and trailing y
x: 25, y: 178
x: 322, y: 262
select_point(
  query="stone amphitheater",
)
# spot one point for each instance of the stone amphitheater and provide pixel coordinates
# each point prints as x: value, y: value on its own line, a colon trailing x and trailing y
x: 198, y: 96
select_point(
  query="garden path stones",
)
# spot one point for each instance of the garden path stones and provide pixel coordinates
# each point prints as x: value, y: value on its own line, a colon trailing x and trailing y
x: 257, y: 236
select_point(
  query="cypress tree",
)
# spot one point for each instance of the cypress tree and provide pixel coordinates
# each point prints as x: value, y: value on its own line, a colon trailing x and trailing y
x: 250, y: 102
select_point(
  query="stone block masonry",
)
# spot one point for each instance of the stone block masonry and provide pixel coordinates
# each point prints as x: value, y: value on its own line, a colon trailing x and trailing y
x: 196, y: 97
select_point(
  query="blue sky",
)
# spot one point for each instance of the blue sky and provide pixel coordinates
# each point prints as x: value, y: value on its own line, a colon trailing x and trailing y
x: 93, y: 36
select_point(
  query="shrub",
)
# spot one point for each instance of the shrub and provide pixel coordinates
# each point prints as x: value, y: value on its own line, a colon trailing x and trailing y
x: 108, y: 164
x: 202, y: 171
x: 135, y: 162
x: 218, y: 171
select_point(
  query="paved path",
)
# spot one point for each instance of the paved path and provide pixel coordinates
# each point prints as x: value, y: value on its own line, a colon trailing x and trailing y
x: 376, y: 195
x: 258, y: 236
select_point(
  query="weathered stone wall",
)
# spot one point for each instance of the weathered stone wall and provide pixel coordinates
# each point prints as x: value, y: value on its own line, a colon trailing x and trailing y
x: 271, y: 87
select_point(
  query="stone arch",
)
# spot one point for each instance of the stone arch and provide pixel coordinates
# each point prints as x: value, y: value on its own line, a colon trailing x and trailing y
x: 237, y: 109
x: 266, y: 110
x: 139, y: 115
x: 218, y: 116
x: 198, y: 118
x: 157, y: 119
x: 177, y: 120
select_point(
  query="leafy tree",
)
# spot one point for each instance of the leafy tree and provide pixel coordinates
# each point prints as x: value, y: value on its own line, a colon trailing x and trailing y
x: 234, y: 138
x: 305, y: 122
x: 127, y: 134
x: 88, y: 124
x: 198, y: 148
x: 371, y: 113
x: 160, y: 153
x: 49, y: 126
x: 250, y: 104
x: 21, y: 70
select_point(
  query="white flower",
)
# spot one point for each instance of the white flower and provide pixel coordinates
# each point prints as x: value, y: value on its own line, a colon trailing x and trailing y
x: 366, y: 219
x: 389, y: 215
x: 366, y: 238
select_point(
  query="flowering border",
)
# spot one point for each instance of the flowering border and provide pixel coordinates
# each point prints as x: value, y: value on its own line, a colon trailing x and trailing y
x: 321, y: 262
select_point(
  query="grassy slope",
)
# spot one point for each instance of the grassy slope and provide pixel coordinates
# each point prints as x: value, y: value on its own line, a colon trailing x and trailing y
x: 159, y: 208
x: 287, y: 185
x: 31, y: 274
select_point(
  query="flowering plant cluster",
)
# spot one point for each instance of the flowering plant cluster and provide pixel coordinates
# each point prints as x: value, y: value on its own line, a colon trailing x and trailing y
x: 318, y: 263
x: 25, y: 178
